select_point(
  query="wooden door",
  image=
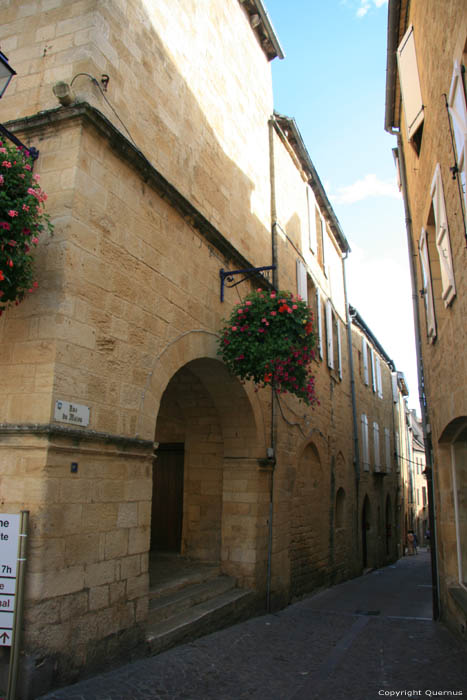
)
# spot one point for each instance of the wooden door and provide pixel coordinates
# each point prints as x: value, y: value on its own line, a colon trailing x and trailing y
x: 167, y: 498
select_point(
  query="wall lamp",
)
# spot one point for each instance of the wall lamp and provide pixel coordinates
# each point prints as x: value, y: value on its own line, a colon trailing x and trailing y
x: 6, y: 74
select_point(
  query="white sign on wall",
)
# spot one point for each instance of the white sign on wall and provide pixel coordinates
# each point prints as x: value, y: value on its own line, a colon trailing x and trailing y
x: 74, y: 413
x: 9, y: 535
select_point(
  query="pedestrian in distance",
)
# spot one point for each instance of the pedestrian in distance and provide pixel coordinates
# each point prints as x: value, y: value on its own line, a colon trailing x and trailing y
x: 410, y: 543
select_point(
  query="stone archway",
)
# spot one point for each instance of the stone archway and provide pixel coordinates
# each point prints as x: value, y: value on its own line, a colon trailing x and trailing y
x: 207, y: 416
x: 309, y: 540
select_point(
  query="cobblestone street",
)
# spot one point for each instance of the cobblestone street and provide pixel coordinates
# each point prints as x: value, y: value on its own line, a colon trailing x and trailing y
x: 361, y: 640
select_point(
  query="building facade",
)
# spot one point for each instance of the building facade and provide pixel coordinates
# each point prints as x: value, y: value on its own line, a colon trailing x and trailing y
x: 158, y: 180
x: 426, y: 109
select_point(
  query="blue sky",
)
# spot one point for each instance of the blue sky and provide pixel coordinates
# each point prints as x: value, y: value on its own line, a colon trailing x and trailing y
x: 332, y: 81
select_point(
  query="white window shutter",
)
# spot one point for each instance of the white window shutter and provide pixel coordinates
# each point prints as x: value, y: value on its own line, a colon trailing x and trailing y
x: 329, y: 336
x: 379, y: 379
x: 319, y: 321
x: 395, y: 392
x: 387, y: 448
x: 373, y: 369
x: 427, y: 286
x: 302, y: 287
x: 410, y: 83
x: 443, y: 243
x: 339, y: 348
x: 376, y: 447
x: 366, y: 452
x: 311, y: 206
x: 366, y: 377
x: 458, y: 110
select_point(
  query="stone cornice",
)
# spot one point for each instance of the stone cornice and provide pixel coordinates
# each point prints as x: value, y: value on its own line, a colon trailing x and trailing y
x: 52, y: 430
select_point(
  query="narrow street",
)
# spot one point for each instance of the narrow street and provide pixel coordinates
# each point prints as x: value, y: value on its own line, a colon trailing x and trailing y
x: 368, y: 638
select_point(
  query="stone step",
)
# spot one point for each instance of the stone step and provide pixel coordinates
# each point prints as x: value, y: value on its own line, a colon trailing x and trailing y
x: 178, y: 600
x: 193, y: 575
x: 221, y: 611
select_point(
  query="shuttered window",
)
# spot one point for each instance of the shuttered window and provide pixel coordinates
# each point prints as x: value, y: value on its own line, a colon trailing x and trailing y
x: 311, y: 206
x: 373, y: 369
x: 376, y: 450
x: 339, y: 348
x: 329, y: 335
x: 366, y: 451
x: 387, y: 449
x: 427, y: 287
x: 366, y: 376
x: 458, y: 111
x: 443, y: 243
x: 379, y: 379
x: 302, y: 286
x: 410, y: 83
x: 319, y: 321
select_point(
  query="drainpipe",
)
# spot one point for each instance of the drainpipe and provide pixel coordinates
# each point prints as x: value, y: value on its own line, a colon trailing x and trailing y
x: 354, y: 405
x: 272, y: 449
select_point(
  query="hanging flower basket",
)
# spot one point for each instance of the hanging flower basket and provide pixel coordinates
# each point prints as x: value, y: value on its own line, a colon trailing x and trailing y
x: 269, y: 339
x: 22, y: 220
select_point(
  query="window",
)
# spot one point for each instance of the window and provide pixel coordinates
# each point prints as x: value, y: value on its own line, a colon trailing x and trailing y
x: 443, y: 243
x: 302, y: 284
x: 339, y: 348
x: 319, y: 323
x: 377, y: 458
x: 458, y: 111
x: 387, y: 449
x: 365, y: 445
x: 379, y: 380
x: 311, y: 206
x: 329, y: 335
x: 366, y: 376
x: 427, y: 289
x: 410, y: 85
x: 373, y: 369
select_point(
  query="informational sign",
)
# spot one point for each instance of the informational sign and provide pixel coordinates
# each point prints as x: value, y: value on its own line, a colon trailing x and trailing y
x: 74, y: 413
x: 9, y: 535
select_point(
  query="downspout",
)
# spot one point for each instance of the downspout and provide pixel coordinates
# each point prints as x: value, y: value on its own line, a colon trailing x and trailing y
x: 354, y: 406
x: 272, y: 448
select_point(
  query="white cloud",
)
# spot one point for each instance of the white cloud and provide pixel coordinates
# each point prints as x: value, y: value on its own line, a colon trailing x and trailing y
x: 369, y: 186
x: 366, y: 5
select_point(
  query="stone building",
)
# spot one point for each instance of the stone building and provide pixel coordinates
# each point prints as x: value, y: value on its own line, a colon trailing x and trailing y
x: 426, y: 109
x: 159, y: 179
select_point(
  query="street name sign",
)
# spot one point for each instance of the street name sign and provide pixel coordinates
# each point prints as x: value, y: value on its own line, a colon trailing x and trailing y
x: 9, y: 536
x: 74, y: 413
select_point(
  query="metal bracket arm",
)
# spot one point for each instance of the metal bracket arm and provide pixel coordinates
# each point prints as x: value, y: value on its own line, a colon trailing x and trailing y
x: 33, y: 152
x: 228, y: 275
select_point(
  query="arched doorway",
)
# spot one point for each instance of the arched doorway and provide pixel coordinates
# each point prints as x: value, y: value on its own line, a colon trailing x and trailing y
x: 205, y: 470
x: 366, y: 524
x: 309, y: 536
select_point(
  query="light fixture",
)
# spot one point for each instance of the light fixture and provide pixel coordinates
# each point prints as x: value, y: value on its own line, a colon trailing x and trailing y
x: 6, y: 73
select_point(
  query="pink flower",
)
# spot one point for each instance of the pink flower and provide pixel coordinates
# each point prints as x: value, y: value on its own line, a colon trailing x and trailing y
x: 289, y: 310
x: 2, y: 180
x: 248, y: 303
x: 2, y: 150
x: 234, y: 328
x: 272, y: 295
x: 273, y: 313
x: 6, y: 164
x: 25, y: 207
x: 27, y: 166
x: 36, y: 177
x: 294, y: 306
x: 12, y: 213
x: 35, y: 240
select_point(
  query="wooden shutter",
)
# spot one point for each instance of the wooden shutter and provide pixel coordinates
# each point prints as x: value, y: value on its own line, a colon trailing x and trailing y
x: 376, y: 447
x: 339, y: 348
x: 329, y: 336
x: 366, y: 377
x: 373, y: 369
x: 410, y: 83
x: 458, y: 110
x: 319, y: 321
x: 443, y: 243
x: 302, y: 287
x: 311, y: 207
x: 366, y: 452
x: 379, y: 379
x: 387, y: 448
x: 427, y: 286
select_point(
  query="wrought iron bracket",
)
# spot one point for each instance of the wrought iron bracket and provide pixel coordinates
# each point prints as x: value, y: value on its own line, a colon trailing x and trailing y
x: 33, y: 152
x: 228, y: 276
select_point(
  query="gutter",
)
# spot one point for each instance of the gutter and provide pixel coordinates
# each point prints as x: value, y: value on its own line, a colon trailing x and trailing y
x: 270, y: 31
x: 394, y: 10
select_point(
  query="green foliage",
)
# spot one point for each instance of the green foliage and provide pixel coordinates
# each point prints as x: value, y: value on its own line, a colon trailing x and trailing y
x: 269, y: 339
x: 22, y: 220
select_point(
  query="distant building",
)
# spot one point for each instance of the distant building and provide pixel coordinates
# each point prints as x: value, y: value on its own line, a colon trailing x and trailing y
x: 426, y: 108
